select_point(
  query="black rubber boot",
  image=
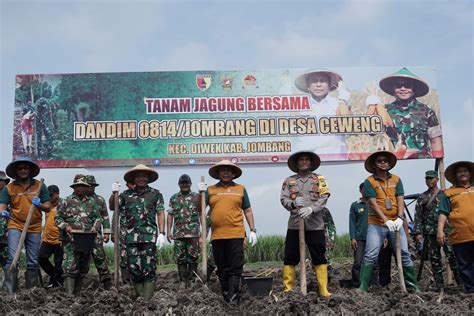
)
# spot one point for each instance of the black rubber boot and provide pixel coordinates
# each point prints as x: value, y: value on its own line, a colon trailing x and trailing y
x: 125, y: 276
x: 77, y: 287
x: 183, y: 275
x: 69, y: 284
x: 11, y: 281
x: 225, y: 290
x: 192, y: 272
x: 107, y: 284
x: 234, y: 290
x: 31, y: 278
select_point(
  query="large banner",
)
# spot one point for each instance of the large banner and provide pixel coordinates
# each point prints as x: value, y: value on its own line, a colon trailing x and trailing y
x: 200, y: 117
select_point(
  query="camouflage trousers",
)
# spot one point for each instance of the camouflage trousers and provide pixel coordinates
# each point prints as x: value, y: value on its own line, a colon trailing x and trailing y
x: 141, y: 261
x: 123, y: 253
x: 434, y: 251
x: 75, y: 263
x: 100, y: 259
x: 186, y: 250
x: 3, y: 254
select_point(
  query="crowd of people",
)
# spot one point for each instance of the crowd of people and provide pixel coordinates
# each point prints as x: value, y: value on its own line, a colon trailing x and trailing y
x: 376, y: 220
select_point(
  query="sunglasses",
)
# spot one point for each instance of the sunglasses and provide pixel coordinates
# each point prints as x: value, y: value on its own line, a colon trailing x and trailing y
x: 403, y: 84
x: 381, y: 160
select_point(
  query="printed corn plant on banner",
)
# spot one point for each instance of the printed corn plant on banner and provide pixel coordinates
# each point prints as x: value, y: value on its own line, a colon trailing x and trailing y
x: 248, y: 116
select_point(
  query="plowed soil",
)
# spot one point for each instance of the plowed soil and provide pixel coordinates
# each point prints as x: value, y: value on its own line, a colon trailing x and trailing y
x: 170, y: 299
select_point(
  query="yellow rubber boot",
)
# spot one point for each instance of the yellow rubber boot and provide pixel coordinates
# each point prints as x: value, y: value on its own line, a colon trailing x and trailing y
x: 321, y: 272
x: 288, y: 278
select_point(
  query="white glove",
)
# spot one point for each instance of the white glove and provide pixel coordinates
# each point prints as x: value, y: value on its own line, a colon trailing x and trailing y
x: 305, y: 212
x: 202, y: 186
x: 161, y: 241
x: 253, y: 238
x: 391, y: 225
x: 115, y: 186
x: 299, y: 201
x: 372, y: 99
x: 344, y: 94
x: 398, y: 223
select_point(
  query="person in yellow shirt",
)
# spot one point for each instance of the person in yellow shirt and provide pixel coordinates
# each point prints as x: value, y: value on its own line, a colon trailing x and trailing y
x: 51, y: 243
x: 229, y: 203
x: 457, y: 205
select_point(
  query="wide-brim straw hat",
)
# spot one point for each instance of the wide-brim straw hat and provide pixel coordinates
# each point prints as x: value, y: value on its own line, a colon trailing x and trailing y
x: 3, y: 177
x: 301, y: 80
x: 293, y: 160
x: 369, y: 162
x: 388, y: 83
x: 11, y: 168
x: 130, y: 174
x: 214, y: 170
x: 450, y: 172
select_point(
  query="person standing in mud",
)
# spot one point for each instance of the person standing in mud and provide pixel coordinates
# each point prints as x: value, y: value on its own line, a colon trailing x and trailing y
x: 75, y: 213
x: 456, y: 204
x: 426, y: 226
x: 4, y: 216
x: 103, y: 236
x: 51, y: 243
x: 184, y: 213
x: 142, y: 209
x: 229, y: 203
x: 418, y: 131
x: 19, y: 196
x: 122, y: 233
x: 384, y: 193
x: 358, y: 216
x: 305, y: 195
x: 44, y: 126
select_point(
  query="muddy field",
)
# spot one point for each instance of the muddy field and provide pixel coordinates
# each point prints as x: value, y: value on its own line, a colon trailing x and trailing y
x: 169, y: 299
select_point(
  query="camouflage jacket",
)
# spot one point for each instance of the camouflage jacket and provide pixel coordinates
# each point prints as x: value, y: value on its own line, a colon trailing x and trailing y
x: 329, y: 229
x: 426, y: 216
x: 3, y: 230
x: 99, y: 203
x: 416, y: 124
x: 138, y: 213
x: 44, y: 112
x: 185, y: 212
x: 79, y: 213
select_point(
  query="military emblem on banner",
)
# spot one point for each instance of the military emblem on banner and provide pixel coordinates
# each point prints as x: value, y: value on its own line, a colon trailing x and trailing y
x: 227, y: 83
x: 250, y: 81
x: 203, y: 81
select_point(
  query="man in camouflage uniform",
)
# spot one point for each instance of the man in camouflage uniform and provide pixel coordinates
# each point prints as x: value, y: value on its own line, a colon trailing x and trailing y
x: 122, y: 233
x: 44, y: 126
x: 426, y: 225
x: 330, y: 235
x: 98, y: 252
x: 4, y: 216
x: 184, y: 213
x: 143, y: 216
x: 75, y: 213
x: 418, y: 131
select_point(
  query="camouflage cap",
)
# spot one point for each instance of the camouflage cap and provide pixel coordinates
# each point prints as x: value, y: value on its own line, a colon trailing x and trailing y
x: 3, y: 176
x: 431, y: 174
x: 91, y: 180
x: 80, y: 179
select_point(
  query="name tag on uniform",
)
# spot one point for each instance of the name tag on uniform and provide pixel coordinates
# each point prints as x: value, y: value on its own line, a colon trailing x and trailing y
x: 388, y: 204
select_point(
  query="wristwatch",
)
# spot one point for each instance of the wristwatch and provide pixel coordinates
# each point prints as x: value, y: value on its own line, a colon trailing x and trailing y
x: 253, y: 230
x: 401, y: 217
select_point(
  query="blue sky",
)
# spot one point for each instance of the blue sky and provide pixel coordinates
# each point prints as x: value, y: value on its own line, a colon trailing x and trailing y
x: 121, y: 36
